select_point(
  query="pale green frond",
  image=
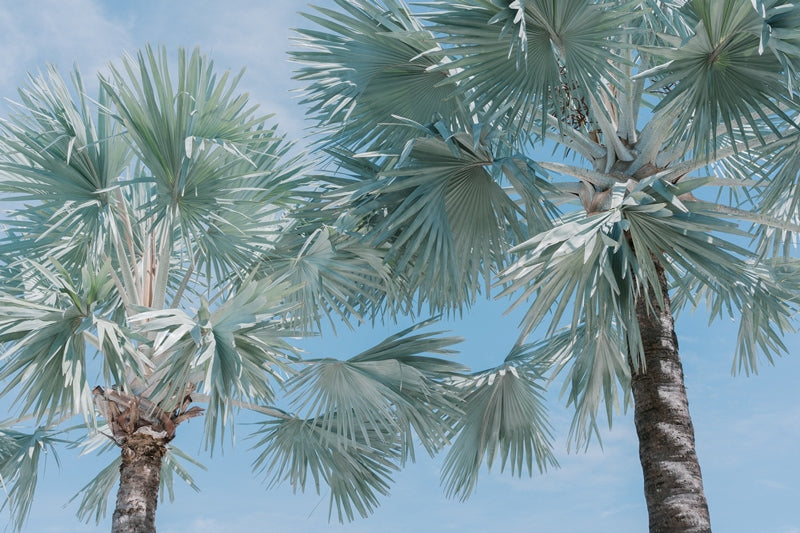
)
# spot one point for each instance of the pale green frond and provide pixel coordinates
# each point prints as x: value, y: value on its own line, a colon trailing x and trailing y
x: 564, y: 54
x: 161, y: 110
x: 356, y: 471
x: 338, y: 277
x: 45, y: 344
x: 598, y: 376
x: 219, y: 174
x: 366, y: 68
x: 393, y: 390
x: 504, y: 418
x: 445, y: 214
x: 94, y: 495
x: 248, y: 351
x: 583, y: 263
x: 61, y: 158
x: 778, y: 170
x: 721, y: 77
x: 233, y: 353
x: 597, y: 373
x: 171, y: 466
x: 20, y: 457
x: 763, y: 298
x: 779, y: 34
x: 232, y: 203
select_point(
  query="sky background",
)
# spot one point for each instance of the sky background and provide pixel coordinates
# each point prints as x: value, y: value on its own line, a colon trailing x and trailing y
x: 747, y: 428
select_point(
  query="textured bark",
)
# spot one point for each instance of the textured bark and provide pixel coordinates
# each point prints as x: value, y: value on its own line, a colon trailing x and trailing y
x: 138, y: 484
x: 673, y: 484
x: 142, y: 430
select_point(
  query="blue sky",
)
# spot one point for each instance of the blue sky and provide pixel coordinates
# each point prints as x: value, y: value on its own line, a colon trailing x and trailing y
x: 747, y: 428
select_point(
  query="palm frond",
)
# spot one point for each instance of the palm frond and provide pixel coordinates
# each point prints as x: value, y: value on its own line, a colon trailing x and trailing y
x: 219, y: 173
x: 61, y: 160
x: 338, y: 276
x: 764, y: 299
x: 504, y: 417
x: 721, y: 77
x: 391, y: 390
x: 356, y: 471
x: 368, y: 70
x: 520, y: 61
x: 20, y: 456
x: 230, y: 354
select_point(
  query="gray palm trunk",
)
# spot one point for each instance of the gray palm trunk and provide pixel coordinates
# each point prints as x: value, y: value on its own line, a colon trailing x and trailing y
x: 673, y: 483
x: 137, y: 496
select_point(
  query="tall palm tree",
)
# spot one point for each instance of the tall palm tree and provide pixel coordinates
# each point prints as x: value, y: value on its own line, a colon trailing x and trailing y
x: 152, y: 263
x: 604, y: 164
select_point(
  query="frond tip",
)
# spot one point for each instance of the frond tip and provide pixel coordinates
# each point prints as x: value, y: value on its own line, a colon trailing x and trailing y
x: 505, y: 417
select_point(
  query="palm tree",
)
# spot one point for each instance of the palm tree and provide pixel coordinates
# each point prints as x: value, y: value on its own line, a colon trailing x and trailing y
x: 604, y: 164
x: 152, y: 262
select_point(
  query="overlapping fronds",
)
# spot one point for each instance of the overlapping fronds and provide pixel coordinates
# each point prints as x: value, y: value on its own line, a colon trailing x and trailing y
x: 360, y: 418
x: 231, y: 354
x: 723, y: 76
x: 521, y: 61
x: 368, y: 72
x: 60, y: 165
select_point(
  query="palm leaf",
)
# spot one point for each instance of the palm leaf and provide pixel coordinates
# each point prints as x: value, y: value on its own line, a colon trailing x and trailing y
x: 720, y: 77
x: 390, y: 390
x: 20, y: 457
x: 338, y: 277
x: 366, y: 68
x: 230, y: 354
x: 504, y: 416
x: 356, y: 471
x: 61, y: 160
x: 519, y: 61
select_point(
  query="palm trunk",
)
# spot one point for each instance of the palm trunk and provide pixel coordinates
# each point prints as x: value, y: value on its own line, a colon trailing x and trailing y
x: 138, y: 484
x: 673, y: 484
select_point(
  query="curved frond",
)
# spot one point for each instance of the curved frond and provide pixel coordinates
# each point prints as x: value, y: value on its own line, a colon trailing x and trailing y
x: 219, y: 174
x: 231, y: 354
x: 46, y: 329
x: 20, y: 457
x: 721, y: 76
x: 443, y: 212
x: 61, y: 159
x: 519, y: 61
x: 392, y: 389
x: 764, y: 299
x: 357, y: 471
x: 369, y: 72
x: 504, y: 417
x: 337, y: 276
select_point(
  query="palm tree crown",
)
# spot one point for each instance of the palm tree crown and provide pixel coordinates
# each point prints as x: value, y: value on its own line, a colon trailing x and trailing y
x: 675, y: 187
x: 154, y: 258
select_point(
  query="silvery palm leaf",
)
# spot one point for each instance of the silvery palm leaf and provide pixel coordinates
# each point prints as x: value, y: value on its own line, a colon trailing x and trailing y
x: 20, y: 456
x: 518, y: 62
x: 504, y: 418
x: 367, y: 69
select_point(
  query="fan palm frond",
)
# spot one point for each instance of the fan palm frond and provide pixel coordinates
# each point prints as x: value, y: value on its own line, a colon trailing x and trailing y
x: 367, y: 69
x: 504, y: 416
